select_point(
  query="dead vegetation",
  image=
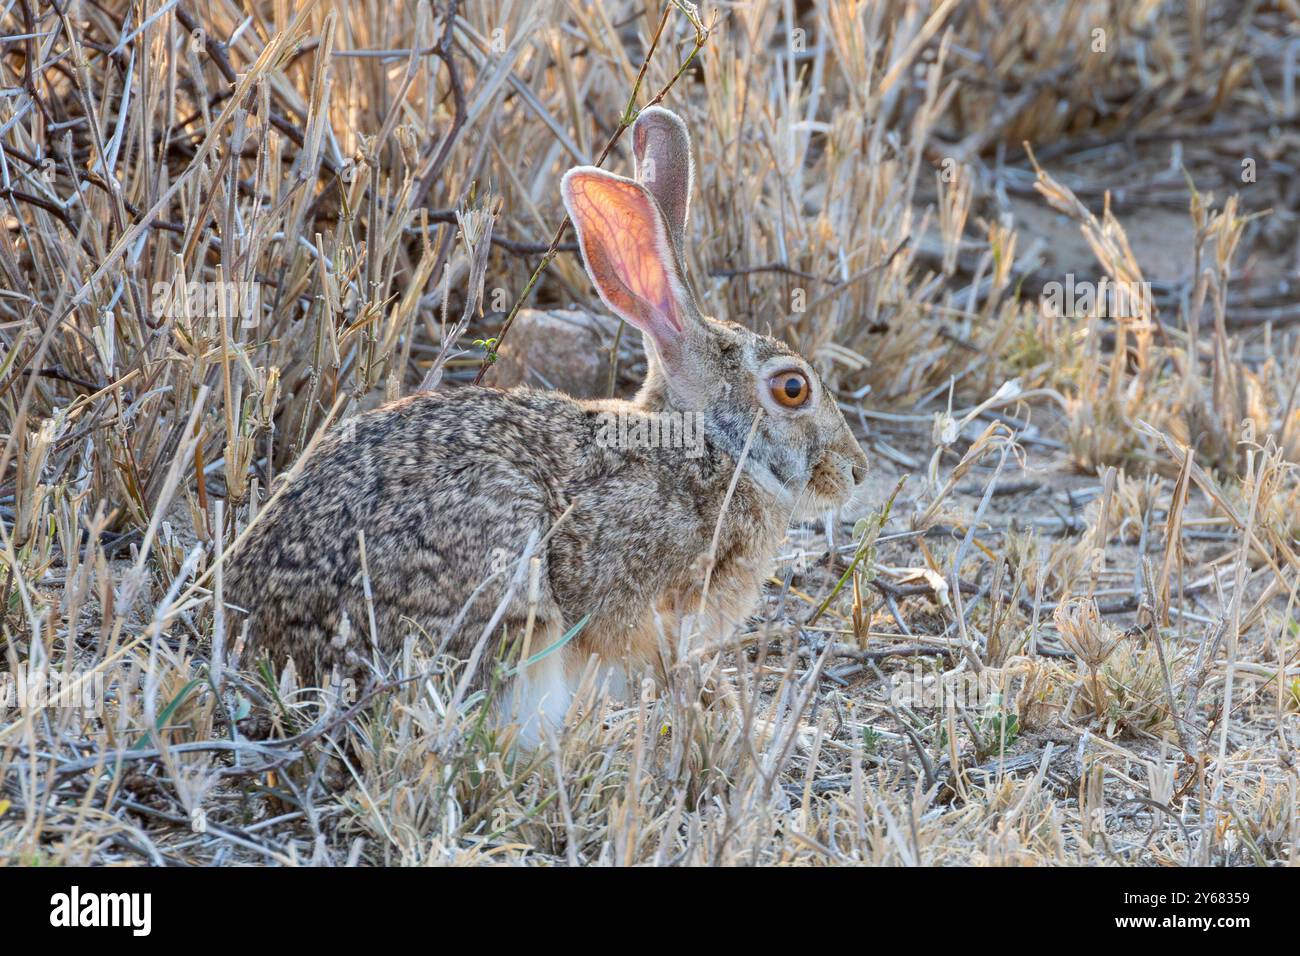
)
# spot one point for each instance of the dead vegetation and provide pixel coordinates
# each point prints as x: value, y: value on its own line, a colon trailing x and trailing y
x: 1074, y: 636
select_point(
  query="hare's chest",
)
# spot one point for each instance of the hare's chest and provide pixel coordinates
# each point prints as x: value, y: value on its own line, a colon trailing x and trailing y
x: 654, y: 569
x: 698, y: 603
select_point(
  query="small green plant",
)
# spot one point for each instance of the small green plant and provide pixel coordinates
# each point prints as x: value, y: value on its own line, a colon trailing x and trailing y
x: 998, y: 728
x: 870, y: 740
x: 866, y: 530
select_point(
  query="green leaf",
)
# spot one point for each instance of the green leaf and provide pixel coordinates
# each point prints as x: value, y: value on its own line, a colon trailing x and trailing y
x: 568, y: 636
x: 167, y: 711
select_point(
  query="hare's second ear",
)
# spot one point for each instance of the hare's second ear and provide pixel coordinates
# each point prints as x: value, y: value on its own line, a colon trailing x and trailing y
x: 662, y: 148
x: 629, y: 255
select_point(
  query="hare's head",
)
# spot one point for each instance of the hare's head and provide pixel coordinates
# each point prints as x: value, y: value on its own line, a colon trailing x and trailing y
x: 632, y: 235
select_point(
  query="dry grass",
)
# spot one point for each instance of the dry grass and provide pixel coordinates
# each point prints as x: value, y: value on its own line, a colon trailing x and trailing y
x: 1100, y: 531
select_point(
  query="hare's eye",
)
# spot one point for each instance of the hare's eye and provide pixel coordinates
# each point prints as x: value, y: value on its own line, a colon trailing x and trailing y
x: 790, y: 388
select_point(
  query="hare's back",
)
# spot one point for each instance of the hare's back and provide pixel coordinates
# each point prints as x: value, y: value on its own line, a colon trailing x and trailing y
x: 438, y: 492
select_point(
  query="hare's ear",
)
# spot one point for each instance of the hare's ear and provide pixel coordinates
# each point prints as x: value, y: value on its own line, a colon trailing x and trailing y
x: 629, y: 255
x: 662, y: 148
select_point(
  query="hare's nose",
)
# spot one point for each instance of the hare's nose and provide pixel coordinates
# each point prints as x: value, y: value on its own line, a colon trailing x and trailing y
x: 859, y: 473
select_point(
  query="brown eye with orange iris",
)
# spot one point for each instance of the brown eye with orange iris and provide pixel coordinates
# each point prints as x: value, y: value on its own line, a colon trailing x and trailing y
x: 790, y: 388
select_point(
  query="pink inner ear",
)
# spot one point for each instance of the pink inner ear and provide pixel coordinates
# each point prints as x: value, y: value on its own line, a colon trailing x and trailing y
x: 625, y: 247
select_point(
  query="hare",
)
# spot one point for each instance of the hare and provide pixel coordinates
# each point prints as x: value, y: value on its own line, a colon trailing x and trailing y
x: 625, y: 525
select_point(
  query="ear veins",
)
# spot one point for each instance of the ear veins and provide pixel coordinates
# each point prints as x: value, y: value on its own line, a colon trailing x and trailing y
x: 619, y: 225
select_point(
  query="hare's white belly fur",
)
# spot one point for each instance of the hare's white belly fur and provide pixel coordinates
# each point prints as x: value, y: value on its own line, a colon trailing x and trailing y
x: 540, y: 696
